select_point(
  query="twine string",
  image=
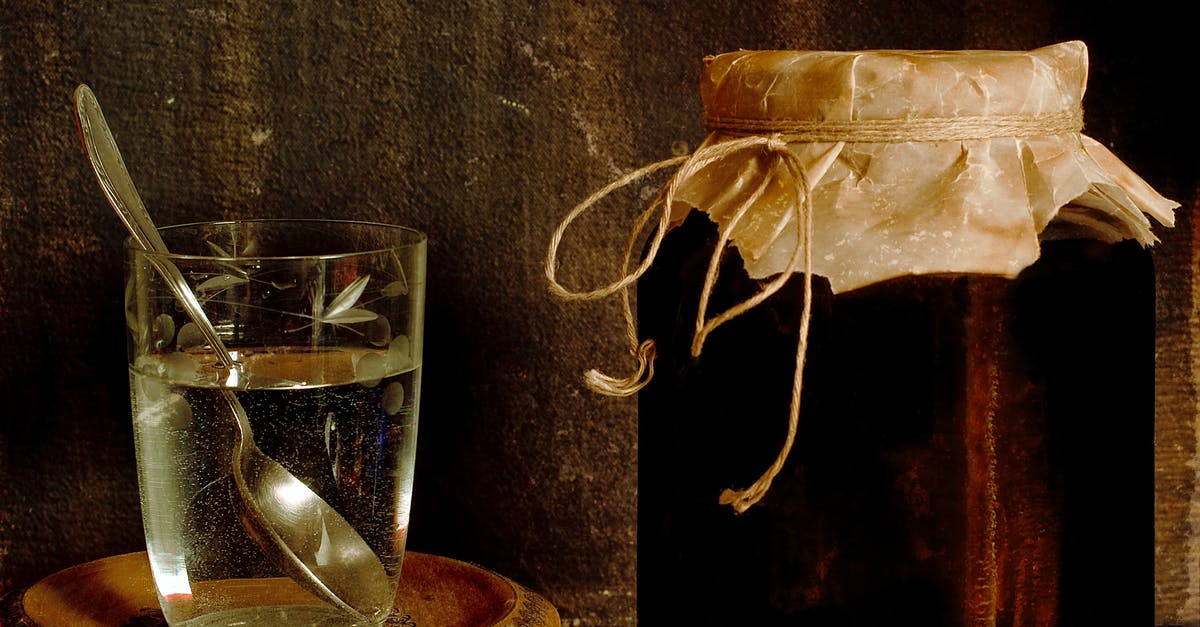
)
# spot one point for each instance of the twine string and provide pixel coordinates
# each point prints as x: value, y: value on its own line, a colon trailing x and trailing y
x: 902, y: 130
x: 741, y: 500
x: 644, y: 351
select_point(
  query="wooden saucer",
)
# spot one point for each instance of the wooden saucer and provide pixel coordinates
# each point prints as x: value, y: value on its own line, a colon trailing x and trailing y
x: 434, y: 592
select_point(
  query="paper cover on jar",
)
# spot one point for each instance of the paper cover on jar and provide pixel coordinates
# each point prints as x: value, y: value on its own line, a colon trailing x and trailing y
x: 917, y: 161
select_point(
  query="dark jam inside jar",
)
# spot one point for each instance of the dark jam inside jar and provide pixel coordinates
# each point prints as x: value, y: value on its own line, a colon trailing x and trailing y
x: 972, y: 449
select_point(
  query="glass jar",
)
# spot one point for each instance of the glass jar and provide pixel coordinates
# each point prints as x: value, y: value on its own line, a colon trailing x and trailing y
x: 971, y: 450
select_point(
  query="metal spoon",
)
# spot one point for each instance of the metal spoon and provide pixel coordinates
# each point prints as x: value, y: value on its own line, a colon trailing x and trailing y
x: 289, y: 521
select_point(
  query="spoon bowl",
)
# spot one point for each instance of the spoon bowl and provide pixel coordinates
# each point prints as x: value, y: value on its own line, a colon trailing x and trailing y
x: 326, y: 555
x: 291, y: 523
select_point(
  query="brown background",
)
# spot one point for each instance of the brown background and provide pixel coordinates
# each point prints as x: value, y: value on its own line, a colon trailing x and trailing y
x: 481, y: 123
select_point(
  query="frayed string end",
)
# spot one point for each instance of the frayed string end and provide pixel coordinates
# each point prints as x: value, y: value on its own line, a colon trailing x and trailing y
x: 628, y: 386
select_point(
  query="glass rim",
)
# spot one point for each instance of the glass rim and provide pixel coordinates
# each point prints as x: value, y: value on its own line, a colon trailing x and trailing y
x: 415, y: 237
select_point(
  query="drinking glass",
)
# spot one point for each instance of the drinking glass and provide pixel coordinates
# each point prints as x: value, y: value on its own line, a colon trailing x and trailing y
x: 323, y: 322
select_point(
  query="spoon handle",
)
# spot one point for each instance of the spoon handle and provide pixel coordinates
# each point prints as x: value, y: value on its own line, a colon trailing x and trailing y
x: 122, y: 195
x: 102, y: 153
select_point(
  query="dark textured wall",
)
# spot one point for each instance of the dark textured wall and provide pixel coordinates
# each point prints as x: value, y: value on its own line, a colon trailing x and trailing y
x: 481, y: 123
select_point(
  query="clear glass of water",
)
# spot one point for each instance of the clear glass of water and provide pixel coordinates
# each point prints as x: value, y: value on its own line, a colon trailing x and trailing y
x: 323, y: 320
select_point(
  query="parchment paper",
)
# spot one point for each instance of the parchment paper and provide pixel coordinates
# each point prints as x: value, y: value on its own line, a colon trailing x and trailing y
x: 887, y: 209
